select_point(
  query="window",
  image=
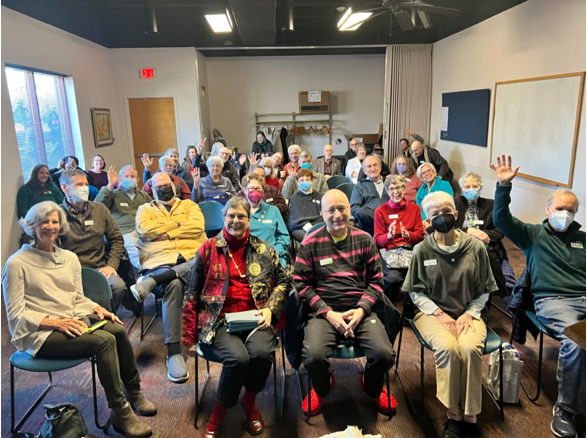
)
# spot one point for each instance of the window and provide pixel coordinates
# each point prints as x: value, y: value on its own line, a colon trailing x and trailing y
x: 41, y: 118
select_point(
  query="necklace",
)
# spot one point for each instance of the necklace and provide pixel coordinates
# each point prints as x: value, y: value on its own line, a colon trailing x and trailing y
x: 236, y: 266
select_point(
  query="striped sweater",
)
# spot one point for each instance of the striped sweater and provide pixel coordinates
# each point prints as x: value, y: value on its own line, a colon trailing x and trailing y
x: 338, y: 276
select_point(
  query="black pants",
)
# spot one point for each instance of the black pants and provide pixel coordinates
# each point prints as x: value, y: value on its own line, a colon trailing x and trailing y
x: 365, y: 220
x: 322, y: 338
x: 393, y: 279
x: 115, y: 359
x: 245, y: 362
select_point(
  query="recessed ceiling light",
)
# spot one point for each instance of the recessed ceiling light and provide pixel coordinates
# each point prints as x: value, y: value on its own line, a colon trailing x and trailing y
x: 219, y: 23
x: 350, y: 21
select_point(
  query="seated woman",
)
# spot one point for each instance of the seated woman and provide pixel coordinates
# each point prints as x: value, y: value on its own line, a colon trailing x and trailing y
x: 475, y: 217
x: 405, y: 167
x: 449, y: 282
x: 37, y: 189
x: 213, y: 187
x: 241, y: 272
x: 398, y: 228
x: 304, y: 205
x: 267, y: 222
x: 188, y: 160
x: 291, y: 168
x: 354, y: 166
x: 98, y: 172
x: 262, y: 145
x: 271, y: 195
x: 47, y: 312
x: 432, y: 183
x: 270, y: 179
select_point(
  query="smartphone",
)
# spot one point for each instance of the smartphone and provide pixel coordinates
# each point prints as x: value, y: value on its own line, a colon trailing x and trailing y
x: 93, y: 324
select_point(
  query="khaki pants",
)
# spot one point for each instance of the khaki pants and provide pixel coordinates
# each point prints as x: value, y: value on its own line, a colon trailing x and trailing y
x: 458, y: 363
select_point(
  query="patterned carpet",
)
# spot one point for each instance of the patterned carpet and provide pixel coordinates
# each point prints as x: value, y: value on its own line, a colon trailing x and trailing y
x: 346, y: 405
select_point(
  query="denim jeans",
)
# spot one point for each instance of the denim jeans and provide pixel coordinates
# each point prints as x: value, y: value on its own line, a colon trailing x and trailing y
x: 557, y: 313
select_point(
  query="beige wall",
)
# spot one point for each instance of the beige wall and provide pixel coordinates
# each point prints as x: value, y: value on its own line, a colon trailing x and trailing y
x: 241, y: 87
x: 536, y: 38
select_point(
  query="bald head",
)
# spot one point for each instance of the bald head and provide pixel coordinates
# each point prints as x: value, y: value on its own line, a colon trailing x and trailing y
x: 328, y: 151
x: 336, y: 212
x: 225, y: 154
x: 417, y: 148
x: 160, y: 179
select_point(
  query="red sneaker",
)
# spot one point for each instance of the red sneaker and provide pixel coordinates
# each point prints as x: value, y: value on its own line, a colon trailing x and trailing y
x: 381, y: 400
x: 317, y: 401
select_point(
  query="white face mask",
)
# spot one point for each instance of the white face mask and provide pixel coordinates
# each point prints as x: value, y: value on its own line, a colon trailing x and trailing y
x: 268, y: 171
x: 560, y: 220
x: 81, y: 194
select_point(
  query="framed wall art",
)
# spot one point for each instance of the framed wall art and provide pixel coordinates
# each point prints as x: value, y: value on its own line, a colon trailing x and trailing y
x: 102, y: 124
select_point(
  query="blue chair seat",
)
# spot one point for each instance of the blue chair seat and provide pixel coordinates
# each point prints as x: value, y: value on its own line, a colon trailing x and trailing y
x: 26, y: 362
x: 532, y: 317
x: 492, y: 341
x: 211, y: 357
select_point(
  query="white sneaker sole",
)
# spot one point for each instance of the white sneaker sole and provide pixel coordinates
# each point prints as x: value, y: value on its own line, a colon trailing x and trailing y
x: 180, y: 379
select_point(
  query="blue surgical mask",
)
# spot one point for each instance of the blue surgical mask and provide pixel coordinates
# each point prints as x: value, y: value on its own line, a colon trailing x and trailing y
x: 472, y: 195
x: 128, y: 183
x: 305, y: 186
x: 307, y: 166
x: 402, y: 168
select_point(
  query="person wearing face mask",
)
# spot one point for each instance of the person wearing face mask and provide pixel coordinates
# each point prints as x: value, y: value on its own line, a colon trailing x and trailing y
x: 304, y: 206
x: 262, y: 146
x: 90, y: 223
x: 398, y: 228
x: 327, y: 165
x: 170, y: 232
x: 475, y: 217
x: 269, y: 171
x: 123, y: 202
x: 266, y: 220
x: 405, y: 167
x: 449, y: 282
x: 555, y: 259
x: 166, y: 165
x: 213, y: 187
x: 271, y: 195
x: 291, y: 186
x: 353, y: 167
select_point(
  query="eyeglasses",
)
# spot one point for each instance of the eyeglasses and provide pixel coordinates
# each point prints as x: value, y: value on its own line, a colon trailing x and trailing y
x: 164, y: 186
x: 340, y: 208
x: 396, y: 189
x: 255, y: 189
x: 427, y: 172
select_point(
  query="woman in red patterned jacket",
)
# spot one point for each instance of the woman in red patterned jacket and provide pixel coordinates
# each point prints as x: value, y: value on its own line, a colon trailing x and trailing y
x: 235, y: 272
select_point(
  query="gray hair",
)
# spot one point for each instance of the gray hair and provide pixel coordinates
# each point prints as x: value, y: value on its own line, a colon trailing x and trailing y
x: 68, y: 175
x: 559, y: 192
x: 436, y: 200
x: 267, y: 162
x: 421, y: 166
x: 236, y: 202
x: 37, y: 214
x: 396, y: 180
x: 128, y: 166
x: 474, y: 175
x: 306, y: 154
x: 294, y: 147
x: 365, y: 160
x: 171, y: 151
x: 164, y: 159
x: 214, y: 159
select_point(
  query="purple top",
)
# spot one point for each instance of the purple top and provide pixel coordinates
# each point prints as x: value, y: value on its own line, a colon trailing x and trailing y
x: 100, y: 179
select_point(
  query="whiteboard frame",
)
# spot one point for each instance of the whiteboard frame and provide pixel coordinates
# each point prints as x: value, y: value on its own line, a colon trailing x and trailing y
x: 569, y: 182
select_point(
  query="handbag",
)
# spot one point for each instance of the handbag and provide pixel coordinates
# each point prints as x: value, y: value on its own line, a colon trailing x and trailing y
x: 512, y: 374
x: 397, y: 258
x: 242, y: 321
x: 64, y: 421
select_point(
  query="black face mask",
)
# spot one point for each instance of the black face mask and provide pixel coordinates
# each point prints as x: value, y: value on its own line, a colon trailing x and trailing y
x: 165, y: 194
x: 443, y: 223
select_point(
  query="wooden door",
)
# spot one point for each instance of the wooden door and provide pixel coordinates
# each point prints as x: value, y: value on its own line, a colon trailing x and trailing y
x: 153, y: 130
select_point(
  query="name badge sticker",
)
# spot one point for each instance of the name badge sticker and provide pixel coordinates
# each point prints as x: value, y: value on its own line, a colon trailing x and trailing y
x: 267, y: 221
x: 577, y: 245
x: 124, y: 204
x: 89, y: 223
x: 431, y: 262
x: 408, y: 179
x: 325, y: 262
x: 269, y: 200
x: 393, y: 216
x: 478, y: 222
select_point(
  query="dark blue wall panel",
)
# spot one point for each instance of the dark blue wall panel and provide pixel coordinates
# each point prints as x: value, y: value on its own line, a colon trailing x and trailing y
x: 468, y: 117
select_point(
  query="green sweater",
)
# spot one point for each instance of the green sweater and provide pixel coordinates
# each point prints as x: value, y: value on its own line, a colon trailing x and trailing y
x: 556, y: 261
x: 123, y: 209
x: 27, y: 197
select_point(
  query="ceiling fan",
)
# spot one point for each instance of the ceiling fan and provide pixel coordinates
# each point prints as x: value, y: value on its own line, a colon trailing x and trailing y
x: 405, y: 13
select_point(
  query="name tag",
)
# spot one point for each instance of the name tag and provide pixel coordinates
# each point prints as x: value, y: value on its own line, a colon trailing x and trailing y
x: 326, y: 262
x: 408, y: 179
x: 89, y: 223
x: 432, y: 262
x: 307, y: 226
x: 124, y: 204
x: 477, y: 222
x: 393, y: 216
x: 266, y: 221
x: 577, y: 245
x: 317, y: 201
x: 48, y: 192
x: 269, y: 200
x: 59, y: 261
x: 221, y: 186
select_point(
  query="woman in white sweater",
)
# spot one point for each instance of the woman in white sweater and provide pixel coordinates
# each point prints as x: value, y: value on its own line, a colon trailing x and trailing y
x: 47, y: 312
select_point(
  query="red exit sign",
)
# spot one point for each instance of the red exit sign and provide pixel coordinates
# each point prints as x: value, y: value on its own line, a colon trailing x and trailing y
x: 147, y: 73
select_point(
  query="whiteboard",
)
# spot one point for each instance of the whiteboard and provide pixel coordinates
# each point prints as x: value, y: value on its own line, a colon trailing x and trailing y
x: 536, y: 121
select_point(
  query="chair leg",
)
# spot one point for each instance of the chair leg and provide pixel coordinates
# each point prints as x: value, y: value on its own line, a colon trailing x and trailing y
x: 276, y: 403
x: 539, y: 377
x: 14, y: 429
x: 388, y: 395
x: 283, y: 378
x: 200, y: 397
x: 301, y: 389
x: 143, y: 328
x: 95, y: 399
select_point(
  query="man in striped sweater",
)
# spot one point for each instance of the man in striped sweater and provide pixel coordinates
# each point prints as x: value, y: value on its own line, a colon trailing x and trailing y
x: 338, y: 273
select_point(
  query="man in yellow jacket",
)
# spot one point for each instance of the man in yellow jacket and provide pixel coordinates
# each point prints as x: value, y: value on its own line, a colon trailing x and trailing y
x: 170, y: 232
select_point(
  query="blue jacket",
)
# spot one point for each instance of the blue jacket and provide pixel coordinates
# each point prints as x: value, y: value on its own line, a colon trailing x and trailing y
x: 267, y: 224
x: 365, y: 195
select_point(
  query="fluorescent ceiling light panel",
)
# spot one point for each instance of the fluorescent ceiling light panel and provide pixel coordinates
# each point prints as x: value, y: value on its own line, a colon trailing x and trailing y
x: 219, y: 23
x: 354, y: 21
x: 344, y: 17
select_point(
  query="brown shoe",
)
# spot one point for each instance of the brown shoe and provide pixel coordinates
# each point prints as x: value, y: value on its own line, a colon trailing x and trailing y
x: 124, y: 421
x: 140, y: 404
x: 255, y: 427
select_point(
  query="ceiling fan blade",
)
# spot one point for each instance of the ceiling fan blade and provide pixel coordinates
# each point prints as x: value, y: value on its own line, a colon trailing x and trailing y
x: 425, y: 19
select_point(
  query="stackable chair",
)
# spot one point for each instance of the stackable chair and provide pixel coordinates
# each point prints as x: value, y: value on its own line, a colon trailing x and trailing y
x: 212, y: 212
x: 347, y: 189
x: 97, y: 289
x: 334, y: 181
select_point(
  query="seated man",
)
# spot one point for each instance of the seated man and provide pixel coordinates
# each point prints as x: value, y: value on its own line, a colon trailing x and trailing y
x: 368, y: 194
x: 271, y: 195
x: 166, y: 166
x: 338, y: 274
x: 352, y: 151
x: 385, y: 172
x: 555, y: 257
x: 229, y: 170
x: 425, y: 154
x: 170, y: 232
x: 123, y: 202
x: 327, y: 165
x: 89, y: 224
x: 178, y: 169
x: 66, y: 163
x: 291, y: 186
